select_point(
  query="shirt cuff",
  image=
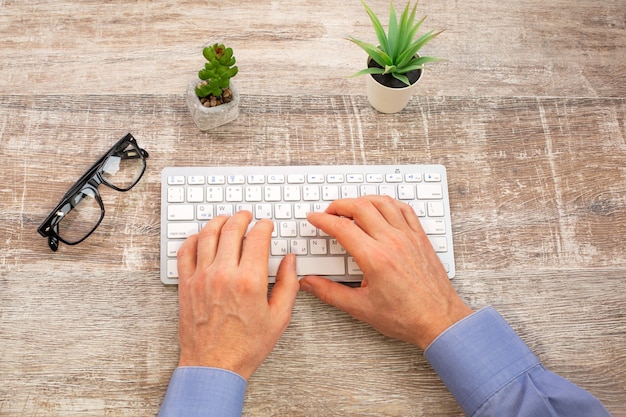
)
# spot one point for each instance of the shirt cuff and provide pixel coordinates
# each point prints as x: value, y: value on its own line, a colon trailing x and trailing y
x: 204, y: 392
x: 478, y: 356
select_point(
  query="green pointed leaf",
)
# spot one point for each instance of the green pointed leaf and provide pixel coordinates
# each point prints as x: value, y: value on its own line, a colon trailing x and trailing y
x: 418, y: 64
x: 410, y: 52
x: 378, y: 28
x: 402, y: 78
x: 368, y: 71
x: 374, y: 52
x: 393, y: 32
x: 390, y: 69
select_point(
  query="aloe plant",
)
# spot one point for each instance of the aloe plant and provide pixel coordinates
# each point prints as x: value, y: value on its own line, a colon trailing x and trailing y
x: 397, y: 50
x: 217, y: 72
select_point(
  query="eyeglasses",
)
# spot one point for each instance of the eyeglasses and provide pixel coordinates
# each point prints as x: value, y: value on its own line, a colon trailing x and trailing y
x: 81, y: 210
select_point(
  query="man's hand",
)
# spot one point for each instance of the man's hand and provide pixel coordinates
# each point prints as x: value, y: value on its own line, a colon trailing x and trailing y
x: 226, y: 320
x: 405, y: 292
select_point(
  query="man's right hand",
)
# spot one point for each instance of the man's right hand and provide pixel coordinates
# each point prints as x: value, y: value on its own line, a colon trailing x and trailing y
x: 405, y: 292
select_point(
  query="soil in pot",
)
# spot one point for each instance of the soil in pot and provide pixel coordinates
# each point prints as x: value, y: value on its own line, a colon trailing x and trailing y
x: 389, y: 80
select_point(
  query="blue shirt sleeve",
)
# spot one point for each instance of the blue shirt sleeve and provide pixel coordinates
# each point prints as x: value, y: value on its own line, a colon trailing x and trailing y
x: 491, y: 372
x: 203, y: 392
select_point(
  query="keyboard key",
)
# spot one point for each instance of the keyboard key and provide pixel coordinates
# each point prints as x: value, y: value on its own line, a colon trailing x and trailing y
x: 216, y: 179
x: 282, y: 211
x: 419, y: 207
x: 395, y: 177
x: 369, y: 190
x: 288, y: 229
x: 195, y: 194
x: 180, y: 212
x: 432, y: 177
x: 173, y: 246
x: 435, y: 208
x: 406, y: 192
x: 301, y: 210
x: 310, y: 193
x: 214, y: 194
x: 312, y: 265
x: 224, y: 210
x: 256, y: 179
x: 334, y: 178
x: 374, y: 178
x: 176, y: 180
x: 320, y: 207
x: 291, y: 193
x: 254, y: 193
x: 439, y: 243
x: 236, y: 179
x: 295, y: 179
x: 172, y: 268
x: 299, y: 247
x: 279, y: 247
x: 413, y: 177
x: 181, y: 230
x: 330, y: 192
x: 318, y: 247
x: 315, y: 178
x: 306, y: 229
x: 349, y: 191
x: 195, y: 180
x: 176, y: 194
x: 204, y: 211
x: 275, y: 179
x: 436, y: 226
x: 234, y: 194
x: 353, y: 268
x: 429, y: 191
x: 387, y: 189
x: 273, y: 193
x: 263, y: 211
x: 335, y: 247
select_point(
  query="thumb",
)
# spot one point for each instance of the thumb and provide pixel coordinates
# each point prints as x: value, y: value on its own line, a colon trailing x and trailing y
x: 284, y: 293
x: 330, y: 292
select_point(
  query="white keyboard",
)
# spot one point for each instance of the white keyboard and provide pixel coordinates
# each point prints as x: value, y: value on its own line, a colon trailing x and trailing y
x: 191, y: 196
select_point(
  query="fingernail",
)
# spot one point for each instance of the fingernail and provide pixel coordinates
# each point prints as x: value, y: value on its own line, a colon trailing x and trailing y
x: 305, y: 286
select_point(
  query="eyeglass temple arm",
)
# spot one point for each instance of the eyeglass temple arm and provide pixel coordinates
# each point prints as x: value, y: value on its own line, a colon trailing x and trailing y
x: 132, y: 154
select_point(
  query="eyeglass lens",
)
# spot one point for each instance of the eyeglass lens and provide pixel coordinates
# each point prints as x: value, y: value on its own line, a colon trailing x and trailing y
x: 123, y: 168
x: 81, y: 215
x: 84, y: 211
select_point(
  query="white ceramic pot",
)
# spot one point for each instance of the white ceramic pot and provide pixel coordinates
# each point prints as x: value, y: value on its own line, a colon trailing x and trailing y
x: 207, y: 118
x: 386, y: 99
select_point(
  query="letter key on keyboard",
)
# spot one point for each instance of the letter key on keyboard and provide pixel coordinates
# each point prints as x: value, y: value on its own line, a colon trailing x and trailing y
x: 192, y: 196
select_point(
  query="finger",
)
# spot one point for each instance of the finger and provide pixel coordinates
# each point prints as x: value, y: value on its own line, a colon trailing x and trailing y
x: 332, y: 293
x: 349, y: 235
x: 187, y: 258
x: 231, y: 237
x: 208, y: 240
x: 284, y: 293
x: 362, y: 210
x: 256, y: 247
x: 411, y: 218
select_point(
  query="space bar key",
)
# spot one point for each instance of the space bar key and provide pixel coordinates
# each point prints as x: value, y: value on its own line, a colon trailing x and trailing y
x: 310, y: 265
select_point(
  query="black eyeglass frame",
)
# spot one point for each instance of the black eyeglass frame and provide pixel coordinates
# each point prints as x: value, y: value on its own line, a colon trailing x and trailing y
x: 90, y: 180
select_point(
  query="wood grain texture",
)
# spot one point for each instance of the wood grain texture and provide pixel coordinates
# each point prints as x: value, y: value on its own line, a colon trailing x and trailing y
x: 528, y: 115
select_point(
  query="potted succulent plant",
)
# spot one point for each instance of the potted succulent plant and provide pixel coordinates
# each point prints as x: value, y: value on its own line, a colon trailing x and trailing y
x: 395, y: 65
x: 212, y: 98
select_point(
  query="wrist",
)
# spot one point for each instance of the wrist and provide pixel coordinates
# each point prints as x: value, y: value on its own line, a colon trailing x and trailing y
x: 440, y: 322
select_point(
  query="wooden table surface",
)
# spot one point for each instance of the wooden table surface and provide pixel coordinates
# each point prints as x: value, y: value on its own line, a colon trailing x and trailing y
x: 528, y: 114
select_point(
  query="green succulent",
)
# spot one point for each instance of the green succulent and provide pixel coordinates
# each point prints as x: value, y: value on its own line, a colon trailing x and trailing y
x: 217, y: 72
x: 397, y: 50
